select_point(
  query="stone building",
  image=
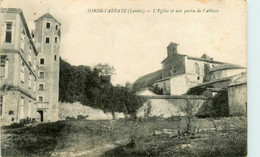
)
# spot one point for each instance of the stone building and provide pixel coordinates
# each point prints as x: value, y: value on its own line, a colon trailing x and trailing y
x: 237, y: 96
x: 18, y: 67
x: 47, y: 42
x: 214, y: 83
x: 180, y: 72
x: 29, y: 67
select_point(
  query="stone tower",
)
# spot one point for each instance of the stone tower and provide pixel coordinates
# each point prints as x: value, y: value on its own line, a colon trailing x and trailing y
x: 47, y: 42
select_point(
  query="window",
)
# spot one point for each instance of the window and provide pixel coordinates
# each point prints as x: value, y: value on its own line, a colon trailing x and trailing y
x: 42, y: 61
x: 56, y: 27
x: 34, y: 65
x: 29, y: 109
x: 3, y: 66
x: 1, y: 105
x: 22, y: 39
x: 22, y: 72
x: 30, y: 81
x: 198, y: 78
x: 47, y: 40
x: 55, y: 57
x: 56, y: 39
x: 173, y: 70
x: 30, y: 55
x: 48, y: 25
x: 40, y: 87
x: 41, y: 74
x: 8, y: 32
x: 40, y: 98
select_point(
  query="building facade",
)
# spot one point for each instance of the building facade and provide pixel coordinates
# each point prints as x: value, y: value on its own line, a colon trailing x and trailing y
x: 20, y: 70
x: 180, y: 72
x: 47, y: 42
x: 183, y: 75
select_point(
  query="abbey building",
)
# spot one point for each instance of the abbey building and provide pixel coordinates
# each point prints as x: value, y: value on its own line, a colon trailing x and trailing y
x: 29, y: 72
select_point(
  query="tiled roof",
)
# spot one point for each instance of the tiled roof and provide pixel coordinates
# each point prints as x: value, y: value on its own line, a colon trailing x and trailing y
x: 47, y: 16
x: 146, y: 80
x: 239, y: 81
x: 11, y: 10
x: 20, y: 12
x: 226, y: 66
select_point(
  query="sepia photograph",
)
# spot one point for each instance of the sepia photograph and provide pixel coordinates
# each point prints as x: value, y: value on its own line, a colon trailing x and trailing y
x: 110, y: 78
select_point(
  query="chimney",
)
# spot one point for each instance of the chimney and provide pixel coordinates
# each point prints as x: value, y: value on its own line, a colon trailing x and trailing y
x: 172, y: 49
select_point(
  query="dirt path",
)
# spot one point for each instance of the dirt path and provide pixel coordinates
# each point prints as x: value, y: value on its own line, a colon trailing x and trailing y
x: 95, y: 152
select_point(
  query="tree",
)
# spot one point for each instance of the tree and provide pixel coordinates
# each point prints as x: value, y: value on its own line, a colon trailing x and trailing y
x: 92, y: 87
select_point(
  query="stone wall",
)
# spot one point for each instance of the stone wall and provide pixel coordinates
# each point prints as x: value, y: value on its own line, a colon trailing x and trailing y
x: 167, y: 106
x: 75, y: 109
x: 237, y: 99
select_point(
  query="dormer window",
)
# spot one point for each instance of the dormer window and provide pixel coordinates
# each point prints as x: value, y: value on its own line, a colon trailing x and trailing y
x: 48, y: 25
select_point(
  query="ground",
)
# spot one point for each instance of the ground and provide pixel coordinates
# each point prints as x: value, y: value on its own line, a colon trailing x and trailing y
x: 149, y: 137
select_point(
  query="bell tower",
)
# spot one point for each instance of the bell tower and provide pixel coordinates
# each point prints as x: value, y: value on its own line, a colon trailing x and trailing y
x: 47, y: 41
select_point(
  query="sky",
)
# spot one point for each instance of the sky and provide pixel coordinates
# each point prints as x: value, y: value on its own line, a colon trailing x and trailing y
x: 135, y: 44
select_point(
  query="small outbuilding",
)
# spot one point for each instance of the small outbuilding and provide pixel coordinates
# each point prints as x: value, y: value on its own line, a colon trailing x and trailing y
x: 237, y: 96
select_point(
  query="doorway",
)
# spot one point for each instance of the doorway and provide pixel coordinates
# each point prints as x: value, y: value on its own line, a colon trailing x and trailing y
x: 40, y: 115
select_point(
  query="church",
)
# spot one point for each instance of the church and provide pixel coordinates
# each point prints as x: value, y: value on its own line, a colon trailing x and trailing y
x: 201, y: 76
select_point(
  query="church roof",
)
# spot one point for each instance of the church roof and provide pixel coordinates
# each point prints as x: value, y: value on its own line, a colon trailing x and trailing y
x: 226, y: 66
x: 146, y: 80
x: 47, y: 16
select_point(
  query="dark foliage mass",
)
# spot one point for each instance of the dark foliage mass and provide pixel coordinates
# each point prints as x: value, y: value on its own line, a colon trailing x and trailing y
x: 92, y: 87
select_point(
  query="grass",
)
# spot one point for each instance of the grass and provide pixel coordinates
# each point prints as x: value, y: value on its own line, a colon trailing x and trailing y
x: 103, y: 138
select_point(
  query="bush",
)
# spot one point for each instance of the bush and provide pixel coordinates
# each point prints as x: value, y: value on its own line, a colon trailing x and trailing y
x: 70, y: 118
x: 81, y: 117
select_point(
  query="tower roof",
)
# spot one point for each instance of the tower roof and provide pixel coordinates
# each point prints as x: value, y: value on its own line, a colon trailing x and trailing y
x: 172, y: 44
x: 47, y: 16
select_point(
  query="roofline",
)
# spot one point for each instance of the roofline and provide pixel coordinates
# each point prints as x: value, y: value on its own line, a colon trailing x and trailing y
x: 20, y: 12
x: 203, y: 59
x: 197, y: 58
x: 38, y: 19
x: 174, y: 97
x: 220, y: 80
x: 237, y: 84
x: 227, y: 68
x: 167, y: 78
x: 147, y: 74
x: 174, y: 55
x: 49, y: 19
x: 179, y: 75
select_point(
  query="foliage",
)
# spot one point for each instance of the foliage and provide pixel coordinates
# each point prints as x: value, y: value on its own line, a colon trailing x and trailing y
x: 157, y: 90
x: 92, y: 87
